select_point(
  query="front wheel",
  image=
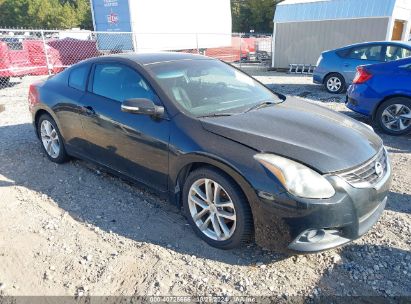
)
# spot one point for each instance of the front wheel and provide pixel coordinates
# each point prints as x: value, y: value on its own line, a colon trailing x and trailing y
x: 394, y: 116
x: 335, y: 83
x: 217, y: 209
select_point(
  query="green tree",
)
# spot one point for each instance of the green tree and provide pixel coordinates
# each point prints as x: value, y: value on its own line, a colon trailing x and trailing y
x: 47, y: 14
x: 14, y: 13
x: 84, y: 10
x: 254, y: 15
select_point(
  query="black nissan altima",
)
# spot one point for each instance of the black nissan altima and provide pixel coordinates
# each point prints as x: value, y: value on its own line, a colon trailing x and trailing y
x: 243, y: 162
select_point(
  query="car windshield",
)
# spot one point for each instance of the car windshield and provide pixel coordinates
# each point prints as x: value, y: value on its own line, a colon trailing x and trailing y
x: 210, y: 87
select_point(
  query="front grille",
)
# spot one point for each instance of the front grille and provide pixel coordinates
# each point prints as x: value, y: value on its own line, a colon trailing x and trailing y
x: 369, y: 173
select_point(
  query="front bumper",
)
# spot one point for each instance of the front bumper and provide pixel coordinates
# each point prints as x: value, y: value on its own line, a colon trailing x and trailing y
x: 286, y: 223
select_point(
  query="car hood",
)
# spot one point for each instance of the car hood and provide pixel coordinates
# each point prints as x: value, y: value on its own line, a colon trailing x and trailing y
x: 320, y: 138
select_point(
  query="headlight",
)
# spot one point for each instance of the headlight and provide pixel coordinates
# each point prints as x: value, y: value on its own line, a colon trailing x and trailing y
x: 298, y: 179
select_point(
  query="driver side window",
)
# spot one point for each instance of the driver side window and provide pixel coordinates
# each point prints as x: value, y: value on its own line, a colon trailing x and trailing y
x: 119, y: 82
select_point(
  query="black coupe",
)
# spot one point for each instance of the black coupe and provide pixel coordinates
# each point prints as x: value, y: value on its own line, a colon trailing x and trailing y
x: 242, y: 161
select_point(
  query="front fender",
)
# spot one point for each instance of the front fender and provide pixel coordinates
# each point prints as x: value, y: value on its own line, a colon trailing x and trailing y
x: 180, y: 167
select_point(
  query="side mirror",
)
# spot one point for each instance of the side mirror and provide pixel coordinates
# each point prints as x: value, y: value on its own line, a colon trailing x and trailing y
x: 141, y: 106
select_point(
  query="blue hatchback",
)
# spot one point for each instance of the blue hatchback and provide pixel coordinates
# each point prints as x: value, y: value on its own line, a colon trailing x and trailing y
x: 383, y: 92
x: 336, y: 69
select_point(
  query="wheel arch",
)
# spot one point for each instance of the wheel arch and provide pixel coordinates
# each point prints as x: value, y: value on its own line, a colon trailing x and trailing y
x: 44, y: 110
x: 195, y: 161
x: 387, y: 98
x: 37, y: 116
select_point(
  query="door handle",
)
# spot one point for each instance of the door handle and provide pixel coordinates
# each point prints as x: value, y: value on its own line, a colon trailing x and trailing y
x: 89, y: 111
x: 346, y: 65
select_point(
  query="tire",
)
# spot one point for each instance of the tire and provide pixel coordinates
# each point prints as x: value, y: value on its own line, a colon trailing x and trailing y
x: 54, y: 140
x: 394, y: 116
x: 237, y: 232
x: 335, y: 83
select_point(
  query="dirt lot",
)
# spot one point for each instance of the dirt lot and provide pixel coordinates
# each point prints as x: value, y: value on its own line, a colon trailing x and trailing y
x: 73, y: 230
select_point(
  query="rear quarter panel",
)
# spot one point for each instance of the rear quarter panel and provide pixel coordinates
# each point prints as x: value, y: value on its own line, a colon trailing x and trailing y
x: 62, y: 103
x: 395, y: 82
x: 331, y: 63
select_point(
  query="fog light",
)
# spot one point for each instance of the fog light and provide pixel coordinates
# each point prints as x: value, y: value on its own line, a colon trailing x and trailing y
x: 313, y: 236
x: 317, y: 235
x: 312, y: 240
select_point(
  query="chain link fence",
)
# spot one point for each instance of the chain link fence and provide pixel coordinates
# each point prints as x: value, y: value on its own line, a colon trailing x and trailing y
x: 46, y: 52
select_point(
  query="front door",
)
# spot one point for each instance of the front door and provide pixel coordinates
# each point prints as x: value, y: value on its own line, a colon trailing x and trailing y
x: 132, y: 144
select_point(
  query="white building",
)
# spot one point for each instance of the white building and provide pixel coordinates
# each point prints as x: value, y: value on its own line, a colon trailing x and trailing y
x: 162, y: 24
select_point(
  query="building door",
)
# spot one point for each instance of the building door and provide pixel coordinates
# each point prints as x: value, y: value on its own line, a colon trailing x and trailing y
x: 398, y: 30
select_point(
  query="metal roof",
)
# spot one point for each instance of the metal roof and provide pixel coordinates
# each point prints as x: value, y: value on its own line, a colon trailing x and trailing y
x: 314, y: 10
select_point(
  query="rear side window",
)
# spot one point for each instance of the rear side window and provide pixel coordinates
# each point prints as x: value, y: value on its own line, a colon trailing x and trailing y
x: 78, y: 78
x: 394, y: 52
x: 372, y: 53
x: 344, y: 53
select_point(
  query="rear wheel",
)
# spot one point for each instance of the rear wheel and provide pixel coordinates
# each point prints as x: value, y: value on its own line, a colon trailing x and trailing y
x: 335, y: 83
x: 217, y: 209
x: 51, y: 139
x: 394, y: 116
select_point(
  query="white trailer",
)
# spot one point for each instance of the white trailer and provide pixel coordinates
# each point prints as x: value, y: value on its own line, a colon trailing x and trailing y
x: 163, y: 24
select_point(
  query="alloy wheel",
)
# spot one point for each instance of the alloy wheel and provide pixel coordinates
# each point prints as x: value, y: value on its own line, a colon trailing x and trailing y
x: 396, y: 117
x: 50, y: 139
x: 212, y: 209
x: 334, y: 84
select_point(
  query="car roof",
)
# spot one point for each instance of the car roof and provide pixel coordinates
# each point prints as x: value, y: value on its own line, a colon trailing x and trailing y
x: 154, y: 58
x: 401, y: 43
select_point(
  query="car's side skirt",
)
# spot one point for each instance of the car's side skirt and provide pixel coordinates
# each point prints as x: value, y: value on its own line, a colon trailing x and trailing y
x: 163, y: 194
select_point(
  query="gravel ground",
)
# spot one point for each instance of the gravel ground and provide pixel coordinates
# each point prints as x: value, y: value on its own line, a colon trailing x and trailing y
x: 74, y: 230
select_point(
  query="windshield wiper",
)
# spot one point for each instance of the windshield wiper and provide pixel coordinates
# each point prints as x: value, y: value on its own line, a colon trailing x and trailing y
x: 260, y: 105
x: 216, y: 115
